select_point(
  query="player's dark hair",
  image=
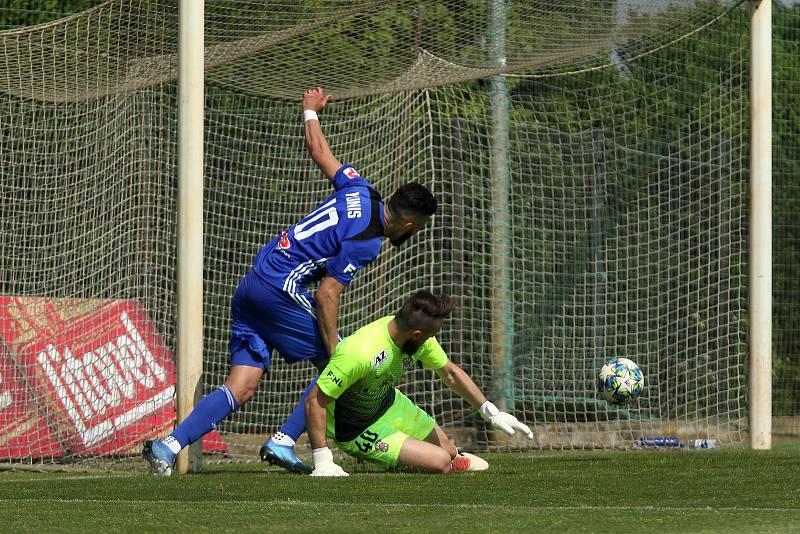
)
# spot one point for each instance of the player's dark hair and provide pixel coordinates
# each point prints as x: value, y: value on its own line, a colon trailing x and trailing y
x: 423, y: 309
x: 412, y: 200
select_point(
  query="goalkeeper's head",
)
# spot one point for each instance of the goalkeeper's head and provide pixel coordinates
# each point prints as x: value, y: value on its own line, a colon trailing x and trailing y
x: 421, y: 317
x: 407, y: 212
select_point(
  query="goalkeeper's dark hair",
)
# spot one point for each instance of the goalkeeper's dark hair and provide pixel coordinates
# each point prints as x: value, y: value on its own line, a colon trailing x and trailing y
x: 423, y: 309
x: 412, y: 200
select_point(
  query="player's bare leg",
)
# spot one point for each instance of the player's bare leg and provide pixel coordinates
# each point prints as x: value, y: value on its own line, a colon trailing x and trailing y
x: 460, y: 461
x: 243, y: 382
x: 439, y: 438
x: 425, y: 456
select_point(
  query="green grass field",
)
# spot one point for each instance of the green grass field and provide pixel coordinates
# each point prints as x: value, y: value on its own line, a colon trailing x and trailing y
x: 720, y: 490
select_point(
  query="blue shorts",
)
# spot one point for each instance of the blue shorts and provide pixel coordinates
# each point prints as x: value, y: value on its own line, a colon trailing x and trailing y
x: 265, y: 318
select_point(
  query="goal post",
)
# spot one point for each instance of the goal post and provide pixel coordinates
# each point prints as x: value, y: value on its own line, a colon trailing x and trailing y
x: 502, y: 314
x: 191, y: 113
x: 760, y: 369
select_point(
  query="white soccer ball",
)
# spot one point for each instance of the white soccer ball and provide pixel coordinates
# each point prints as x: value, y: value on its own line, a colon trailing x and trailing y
x: 620, y: 381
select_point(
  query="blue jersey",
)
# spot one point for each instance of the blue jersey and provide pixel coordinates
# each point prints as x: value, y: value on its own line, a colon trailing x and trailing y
x: 341, y: 236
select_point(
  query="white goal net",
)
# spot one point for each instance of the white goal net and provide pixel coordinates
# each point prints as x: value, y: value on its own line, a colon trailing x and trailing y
x: 590, y: 159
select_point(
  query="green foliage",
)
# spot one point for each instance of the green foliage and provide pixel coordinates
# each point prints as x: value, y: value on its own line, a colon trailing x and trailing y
x: 20, y: 13
x: 785, y: 210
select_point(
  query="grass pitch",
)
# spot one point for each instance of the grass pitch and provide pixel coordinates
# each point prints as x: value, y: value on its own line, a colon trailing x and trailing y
x: 719, y: 490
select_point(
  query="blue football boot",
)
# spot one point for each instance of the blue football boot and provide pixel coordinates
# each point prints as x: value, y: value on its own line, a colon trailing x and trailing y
x: 160, y: 457
x: 284, y: 456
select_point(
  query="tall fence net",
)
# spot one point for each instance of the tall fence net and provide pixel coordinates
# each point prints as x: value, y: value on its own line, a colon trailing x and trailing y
x: 623, y: 231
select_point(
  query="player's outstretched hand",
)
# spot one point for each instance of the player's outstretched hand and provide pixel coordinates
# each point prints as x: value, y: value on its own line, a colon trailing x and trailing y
x: 324, y: 466
x: 503, y: 421
x: 329, y: 470
x: 315, y: 99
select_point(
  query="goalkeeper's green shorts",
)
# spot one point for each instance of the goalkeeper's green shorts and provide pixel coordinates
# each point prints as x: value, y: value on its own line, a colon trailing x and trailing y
x: 381, y: 441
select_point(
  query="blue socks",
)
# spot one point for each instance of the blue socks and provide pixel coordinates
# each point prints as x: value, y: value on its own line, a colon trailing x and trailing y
x: 205, y: 417
x: 218, y: 405
x: 295, y: 424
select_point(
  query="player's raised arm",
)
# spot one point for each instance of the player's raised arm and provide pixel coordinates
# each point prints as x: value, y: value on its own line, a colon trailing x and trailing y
x: 318, y: 148
x: 460, y: 382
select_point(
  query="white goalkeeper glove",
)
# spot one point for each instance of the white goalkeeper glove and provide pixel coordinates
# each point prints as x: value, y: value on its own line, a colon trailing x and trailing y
x: 324, y: 466
x: 503, y: 421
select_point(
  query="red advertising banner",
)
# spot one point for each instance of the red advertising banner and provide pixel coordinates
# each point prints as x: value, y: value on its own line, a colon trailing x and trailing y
x: 23, y: 431
x: 98, y: 370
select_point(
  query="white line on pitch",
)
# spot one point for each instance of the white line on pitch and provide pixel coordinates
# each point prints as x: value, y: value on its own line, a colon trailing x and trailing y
x: 293, y: 502
x: 49, y: 478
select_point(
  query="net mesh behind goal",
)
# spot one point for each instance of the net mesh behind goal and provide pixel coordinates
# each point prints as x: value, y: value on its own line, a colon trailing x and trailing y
x: 625, y: 216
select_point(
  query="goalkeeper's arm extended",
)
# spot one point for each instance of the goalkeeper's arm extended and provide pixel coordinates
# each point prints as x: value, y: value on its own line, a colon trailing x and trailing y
x: 460, y: 382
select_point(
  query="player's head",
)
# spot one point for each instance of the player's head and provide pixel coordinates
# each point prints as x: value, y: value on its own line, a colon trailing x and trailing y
x: 421, y: 317
x: 409, y: 210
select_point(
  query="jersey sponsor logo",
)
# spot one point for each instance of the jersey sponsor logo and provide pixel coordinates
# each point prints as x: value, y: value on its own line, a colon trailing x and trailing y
x: 336, y: 380
x: 353, y: 205
x: 351, y: 173
x: 379, y: 359
x: 350, y: 269
x: 284, y: 242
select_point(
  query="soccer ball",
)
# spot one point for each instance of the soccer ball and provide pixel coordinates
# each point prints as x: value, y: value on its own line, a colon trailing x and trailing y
x: 620, y: 381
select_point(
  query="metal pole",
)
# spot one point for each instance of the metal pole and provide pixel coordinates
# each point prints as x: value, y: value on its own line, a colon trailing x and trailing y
x: 596, y: 188
x: 502, y: 310
x: 760, y: 368
x: 190, y: 218
x: 458, y: 223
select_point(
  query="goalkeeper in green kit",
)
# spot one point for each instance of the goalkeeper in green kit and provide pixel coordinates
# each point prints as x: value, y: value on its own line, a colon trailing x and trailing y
x: 355, y: 401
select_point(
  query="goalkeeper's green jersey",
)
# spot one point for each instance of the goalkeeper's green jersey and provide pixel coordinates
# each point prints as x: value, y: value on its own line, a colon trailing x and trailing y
x: 362, y: 372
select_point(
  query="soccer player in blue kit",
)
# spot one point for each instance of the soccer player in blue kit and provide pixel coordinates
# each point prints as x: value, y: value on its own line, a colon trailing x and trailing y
x: 272, y: 308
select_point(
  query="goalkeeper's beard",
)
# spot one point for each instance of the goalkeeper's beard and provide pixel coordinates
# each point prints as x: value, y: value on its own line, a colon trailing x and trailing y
x: 402, y: 239
x: 410, y: 347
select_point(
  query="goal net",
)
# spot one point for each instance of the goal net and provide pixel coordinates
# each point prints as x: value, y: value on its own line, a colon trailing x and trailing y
x: 590, y: 159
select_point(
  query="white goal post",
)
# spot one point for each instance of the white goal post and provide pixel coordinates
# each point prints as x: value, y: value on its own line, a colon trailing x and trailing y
x: 191, y: 113
x: 760, y: 368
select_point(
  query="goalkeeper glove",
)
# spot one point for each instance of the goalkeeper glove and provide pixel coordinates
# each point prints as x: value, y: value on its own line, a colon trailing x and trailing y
x: 503, y: 421
x: 324, y: 465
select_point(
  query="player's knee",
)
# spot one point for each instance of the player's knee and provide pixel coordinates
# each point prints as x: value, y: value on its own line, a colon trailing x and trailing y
x: 247, y: 394
x: 242, y: 392
x: 243, y: 382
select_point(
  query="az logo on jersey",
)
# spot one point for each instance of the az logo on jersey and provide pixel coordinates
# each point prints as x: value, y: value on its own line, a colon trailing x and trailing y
x: 351, y: 173
x: 379, y: 359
